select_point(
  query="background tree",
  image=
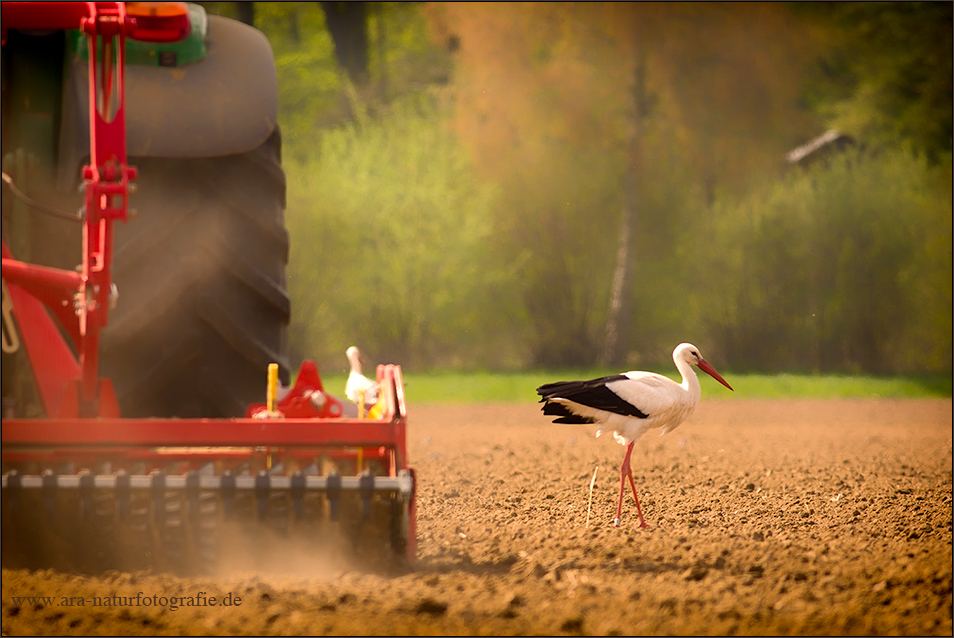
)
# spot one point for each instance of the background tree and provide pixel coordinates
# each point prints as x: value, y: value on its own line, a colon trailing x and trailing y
x: 545, y: 112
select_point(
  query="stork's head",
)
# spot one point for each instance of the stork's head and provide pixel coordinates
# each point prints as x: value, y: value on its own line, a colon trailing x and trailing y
x: 691, y: 355
x: 354, y: 356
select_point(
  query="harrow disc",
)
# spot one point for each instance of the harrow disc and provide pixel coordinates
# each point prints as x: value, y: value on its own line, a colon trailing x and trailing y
x: 192, y: 524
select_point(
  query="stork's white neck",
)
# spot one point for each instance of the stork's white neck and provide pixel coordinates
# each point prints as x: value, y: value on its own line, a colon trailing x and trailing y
x: 355, y: 361
x: 690, y: 382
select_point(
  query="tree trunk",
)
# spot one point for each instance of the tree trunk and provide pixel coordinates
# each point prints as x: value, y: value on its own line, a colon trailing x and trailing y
x: 382, y: 58
x: 294, y: 31
x: 246, y: 12
x: 348, y: 24
x: 619, y: 322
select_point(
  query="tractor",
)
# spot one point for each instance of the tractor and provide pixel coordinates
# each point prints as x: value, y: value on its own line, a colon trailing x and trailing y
x: 150, y: 417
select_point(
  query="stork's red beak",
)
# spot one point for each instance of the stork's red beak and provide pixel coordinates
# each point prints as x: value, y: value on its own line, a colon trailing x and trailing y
x: 705, y: 367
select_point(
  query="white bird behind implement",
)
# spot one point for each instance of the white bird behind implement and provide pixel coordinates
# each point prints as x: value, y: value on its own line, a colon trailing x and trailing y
x: 360, y: 389
x: 629, y: 404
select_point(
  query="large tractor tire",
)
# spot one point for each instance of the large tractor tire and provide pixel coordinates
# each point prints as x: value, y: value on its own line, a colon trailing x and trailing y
x: 200, y: 270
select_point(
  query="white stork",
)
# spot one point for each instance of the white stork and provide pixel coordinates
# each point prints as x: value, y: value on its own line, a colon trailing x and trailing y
x: 360, y: 389
x: 629, y: 404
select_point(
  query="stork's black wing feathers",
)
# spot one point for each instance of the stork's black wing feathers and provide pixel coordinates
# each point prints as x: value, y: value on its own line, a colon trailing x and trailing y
x: 564, y: 414
x: 592, y: 393
x: 562, y: 389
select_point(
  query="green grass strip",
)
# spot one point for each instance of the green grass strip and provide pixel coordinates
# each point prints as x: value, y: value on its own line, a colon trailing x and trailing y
x: 516, y: 387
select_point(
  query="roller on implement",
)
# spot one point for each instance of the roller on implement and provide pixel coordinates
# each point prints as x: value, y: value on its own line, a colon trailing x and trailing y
x: 166, y: 439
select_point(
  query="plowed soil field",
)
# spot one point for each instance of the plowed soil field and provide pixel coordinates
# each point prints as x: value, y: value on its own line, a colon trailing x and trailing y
x: 766, y: 518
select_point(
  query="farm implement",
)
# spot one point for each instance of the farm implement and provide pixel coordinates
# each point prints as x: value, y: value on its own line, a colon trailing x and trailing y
x: 149, y: 417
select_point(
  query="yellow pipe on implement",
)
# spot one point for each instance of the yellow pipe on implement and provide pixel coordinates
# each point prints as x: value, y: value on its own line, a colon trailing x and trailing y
x: 271, y: 395
x: 272, y: 391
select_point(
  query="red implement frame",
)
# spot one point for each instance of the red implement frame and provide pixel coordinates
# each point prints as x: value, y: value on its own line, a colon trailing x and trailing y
x: 107, y: 179
x: 83, y: 423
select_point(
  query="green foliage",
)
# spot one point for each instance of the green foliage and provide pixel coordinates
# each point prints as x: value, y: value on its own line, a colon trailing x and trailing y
x: 310, y: 83
x: 313, y: 91
x: 843, y: 268
x: 559, y: 226
x: 388, y: 231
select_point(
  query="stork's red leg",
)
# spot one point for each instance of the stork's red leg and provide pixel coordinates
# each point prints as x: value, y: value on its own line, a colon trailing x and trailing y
x: 626, y: 472
x: 639, y: 510
x: 622, y: 488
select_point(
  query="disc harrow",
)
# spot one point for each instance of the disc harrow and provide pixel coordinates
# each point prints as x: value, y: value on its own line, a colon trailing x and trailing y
x: 69, y: 502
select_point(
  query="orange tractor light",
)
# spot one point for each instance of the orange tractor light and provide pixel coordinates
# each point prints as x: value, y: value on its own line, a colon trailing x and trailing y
x: 158, y: 21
